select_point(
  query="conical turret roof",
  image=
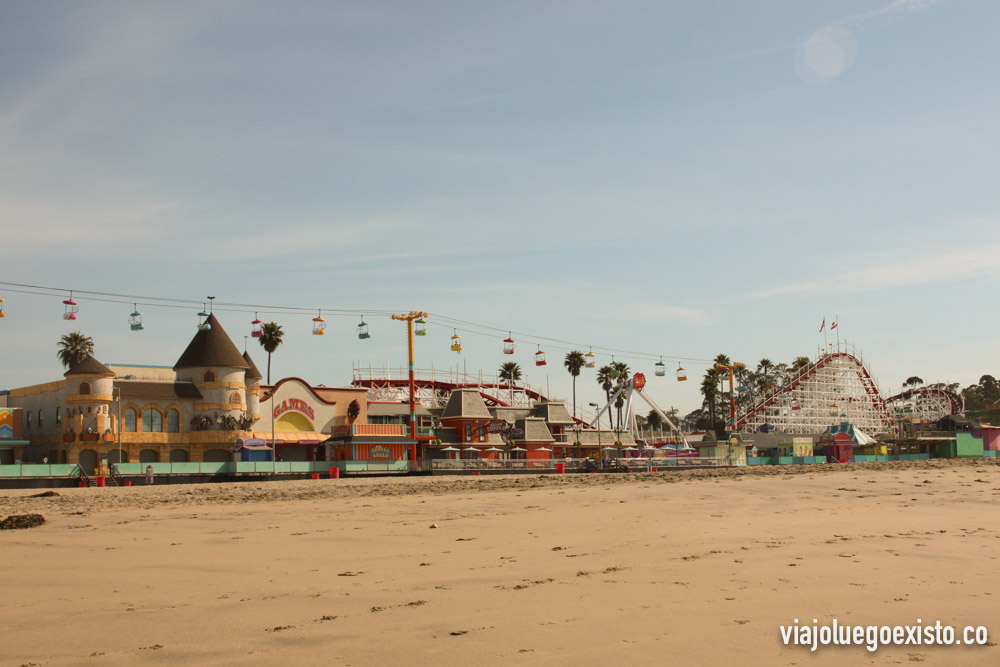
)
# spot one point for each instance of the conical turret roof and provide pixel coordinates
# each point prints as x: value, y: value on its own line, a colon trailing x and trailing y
x: 254, y: 372
x: 90, y: 367
x: 211, y: 347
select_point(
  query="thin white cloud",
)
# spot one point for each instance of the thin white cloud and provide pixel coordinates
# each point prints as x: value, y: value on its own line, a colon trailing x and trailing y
x: 896, y: 7
x: 923, y: 266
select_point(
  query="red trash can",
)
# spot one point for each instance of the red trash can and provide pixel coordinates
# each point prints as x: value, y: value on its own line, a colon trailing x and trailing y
x: 315, y: 475
x: 654, y: 470
x: 560, y: 468
x: 334, y: 473
x: 100, y: 480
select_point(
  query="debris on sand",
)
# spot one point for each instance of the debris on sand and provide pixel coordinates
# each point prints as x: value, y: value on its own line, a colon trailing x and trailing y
x: 22, y: 521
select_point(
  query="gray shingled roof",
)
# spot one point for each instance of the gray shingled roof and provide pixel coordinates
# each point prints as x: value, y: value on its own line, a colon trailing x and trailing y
x: 465, y: 404
x: 552, y: 412
x: 90, y: 367
x: 211, y: 347
x: 254, y: 372
x: 509, y: 414
x: 534, y: 429
x: 589, y: 437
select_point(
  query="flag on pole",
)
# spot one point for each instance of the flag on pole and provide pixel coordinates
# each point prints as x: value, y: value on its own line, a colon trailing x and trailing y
x: 834, y: 325
x: 822, y: 326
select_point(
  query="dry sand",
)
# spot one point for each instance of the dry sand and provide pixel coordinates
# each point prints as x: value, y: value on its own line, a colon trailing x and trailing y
x: 699, y: 567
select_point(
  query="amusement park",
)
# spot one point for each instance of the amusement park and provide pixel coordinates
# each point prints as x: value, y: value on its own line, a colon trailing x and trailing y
x: 213, y: 415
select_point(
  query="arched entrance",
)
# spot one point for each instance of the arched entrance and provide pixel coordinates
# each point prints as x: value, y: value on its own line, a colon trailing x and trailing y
x: 179, y: 456
x: 293, y: 421
x: 113, y: 457
x: 88, y: 461
x: 217, y: 456
x: 149, y: 456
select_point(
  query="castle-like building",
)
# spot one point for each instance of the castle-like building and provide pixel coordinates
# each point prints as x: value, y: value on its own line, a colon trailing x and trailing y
x: 195, y: 411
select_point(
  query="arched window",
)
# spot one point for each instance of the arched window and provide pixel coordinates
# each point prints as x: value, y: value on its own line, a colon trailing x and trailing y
x: 152, y: 421
x: 209, y: 376
x: 235, y: 398
x: 173, y: 421
x: 129, y: 420
x: 84, y: 387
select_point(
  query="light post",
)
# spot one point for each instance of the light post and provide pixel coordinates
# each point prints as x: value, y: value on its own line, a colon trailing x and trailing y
x: 119, y: 435
x: 408, y: 318
x: 274, y: 448
x: 600, y: 453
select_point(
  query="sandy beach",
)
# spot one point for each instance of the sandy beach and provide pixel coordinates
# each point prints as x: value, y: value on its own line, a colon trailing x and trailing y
x: 698, y: 567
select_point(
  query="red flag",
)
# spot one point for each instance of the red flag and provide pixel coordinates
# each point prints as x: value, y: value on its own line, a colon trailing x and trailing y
x: 834, y: 325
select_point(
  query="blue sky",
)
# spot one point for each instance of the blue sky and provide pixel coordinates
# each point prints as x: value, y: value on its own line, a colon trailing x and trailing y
x: 678, y: 178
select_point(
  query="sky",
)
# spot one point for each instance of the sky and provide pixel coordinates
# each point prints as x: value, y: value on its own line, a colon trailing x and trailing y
x: 680, y: 179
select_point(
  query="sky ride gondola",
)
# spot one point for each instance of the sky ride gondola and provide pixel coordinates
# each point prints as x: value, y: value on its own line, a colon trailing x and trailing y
x: 203, y: 316
x: 135, y: 319
x: 421, y: 327
x: 661, y: 370
x: 681, y: 374
x: 71, y: 309
x: 319, y: 325
x: 456, y: 342
x: 363, y: 329
x: 2, y: 314
x: 540, y: 357
x: 508, y: 344
x: 590, y: 361
x: 613, y: 372
x: 255, y: 330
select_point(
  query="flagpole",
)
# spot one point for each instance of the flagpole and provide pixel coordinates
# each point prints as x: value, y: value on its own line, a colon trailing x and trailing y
x: 836, y: 321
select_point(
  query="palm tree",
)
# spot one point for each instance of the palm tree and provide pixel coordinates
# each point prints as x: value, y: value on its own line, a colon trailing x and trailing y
x: 74, y: 348
x: 605, y: 379
x: 270, y: 339
x: 510, y: 372
x: 574, y: 363
x: 623, y: 374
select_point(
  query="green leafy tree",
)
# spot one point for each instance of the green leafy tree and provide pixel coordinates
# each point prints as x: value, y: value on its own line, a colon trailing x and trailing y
x: 913, y: 381
x: 270, y: 340
x: 74, y: 348
x: 574, y: 363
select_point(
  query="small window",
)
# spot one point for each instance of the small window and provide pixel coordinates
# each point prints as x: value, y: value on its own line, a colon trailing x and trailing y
x: 39, y: 419
x: 173, y: 421
x: 235, y: 398
x: 27, y: 419
x: 130, y: 419
x: 209, y: 376
x: 468, y: 432
x: 84, y: 387
x: 152, y: 421
x: 58, y: 415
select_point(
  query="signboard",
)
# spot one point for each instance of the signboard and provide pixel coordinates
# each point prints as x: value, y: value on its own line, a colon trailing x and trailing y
x: 379, y: 452
x: 293, y: 404
x: 497, y: 426
x: 342, y: 429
